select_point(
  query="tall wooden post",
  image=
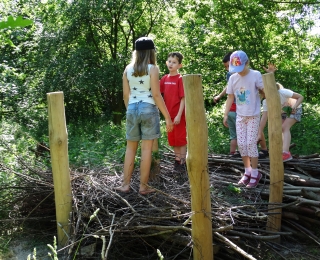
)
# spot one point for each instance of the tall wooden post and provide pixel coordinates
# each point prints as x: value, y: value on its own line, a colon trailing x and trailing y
x: 197, y: 165
x: 58, y: 139
x: 275, y: 150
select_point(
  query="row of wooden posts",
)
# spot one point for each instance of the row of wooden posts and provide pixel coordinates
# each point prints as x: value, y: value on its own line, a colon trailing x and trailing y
x: 197, y: 162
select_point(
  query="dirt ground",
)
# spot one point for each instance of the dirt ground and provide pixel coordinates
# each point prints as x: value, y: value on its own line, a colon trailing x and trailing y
x: 21, y: 248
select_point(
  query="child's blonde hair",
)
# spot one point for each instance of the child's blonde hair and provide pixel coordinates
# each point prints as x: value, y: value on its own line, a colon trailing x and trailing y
x: 279, y: 86
x: 141, y: 59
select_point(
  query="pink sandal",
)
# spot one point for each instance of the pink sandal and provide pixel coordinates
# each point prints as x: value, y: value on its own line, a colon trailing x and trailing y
x: 256, y: 181
x: 243, y: 181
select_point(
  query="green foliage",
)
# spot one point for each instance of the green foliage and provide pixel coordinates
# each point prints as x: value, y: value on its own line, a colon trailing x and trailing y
x: 82, y: 47
x: 234, y: 189
x: 306, y: 133
x: 94, y: 215
x: 15, y: 22
x: 218, y: 134
x: 287, y: 110
x: 53, y: 249
x: 159, y: 254
x: 96, y: 144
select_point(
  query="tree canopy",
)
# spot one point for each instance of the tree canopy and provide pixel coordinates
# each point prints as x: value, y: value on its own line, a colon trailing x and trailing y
x: 82, y: 47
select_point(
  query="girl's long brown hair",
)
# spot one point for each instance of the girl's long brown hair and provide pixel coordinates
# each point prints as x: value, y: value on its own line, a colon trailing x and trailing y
x: 141, y: 59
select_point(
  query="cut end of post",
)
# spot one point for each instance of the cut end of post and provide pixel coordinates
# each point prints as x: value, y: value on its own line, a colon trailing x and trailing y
x: 55, y: 93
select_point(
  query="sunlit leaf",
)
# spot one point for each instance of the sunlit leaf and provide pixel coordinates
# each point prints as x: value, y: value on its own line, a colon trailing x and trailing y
x: 13, y: 23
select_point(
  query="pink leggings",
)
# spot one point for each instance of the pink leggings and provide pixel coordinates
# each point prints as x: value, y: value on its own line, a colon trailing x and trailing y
x: 247, y: 135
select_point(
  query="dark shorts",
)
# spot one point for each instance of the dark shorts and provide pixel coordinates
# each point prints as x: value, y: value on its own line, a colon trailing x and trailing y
x: 232, y: 124
x: 143, y: 122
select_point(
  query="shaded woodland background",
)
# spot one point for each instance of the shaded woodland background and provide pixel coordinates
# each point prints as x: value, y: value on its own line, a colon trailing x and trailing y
x: 82, y: 47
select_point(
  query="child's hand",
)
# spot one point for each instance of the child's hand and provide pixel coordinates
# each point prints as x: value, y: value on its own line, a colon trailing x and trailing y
x: 259, y: 137
x: 271, y: 68
x: 225, y: 119
x: 169, y: 125
x: 216, y: 99
x: 176, y: 120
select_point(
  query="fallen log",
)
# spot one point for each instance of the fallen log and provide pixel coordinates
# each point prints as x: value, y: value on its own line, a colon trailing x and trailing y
x: 310, y: 195
x: 315, y: 155
x: 317, y: 210
x: 303, y: 201
x: 257, y: 237
x: 305, y: 231
x: 289, y: 215
x: 301, y: 182
x: 302, y: 210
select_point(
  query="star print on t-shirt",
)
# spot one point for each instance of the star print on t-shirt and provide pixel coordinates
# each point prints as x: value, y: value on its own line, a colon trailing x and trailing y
x: 141, y: 81
x: 135, y: 88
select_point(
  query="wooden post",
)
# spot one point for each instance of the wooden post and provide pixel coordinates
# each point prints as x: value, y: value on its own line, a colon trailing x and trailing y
x: 197, y: 165
x: 275, y: 150
x: 58, y: 139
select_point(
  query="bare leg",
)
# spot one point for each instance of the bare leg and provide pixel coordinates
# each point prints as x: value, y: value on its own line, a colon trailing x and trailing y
x: 180, y: 153
x: 246, y: 161
x: 233, y: 145
x: 286, y: 135
x: 128, y: 165
x: 263, y: 143
x: 246, y: 177
x: 254, y: 162
x: 145, y: 164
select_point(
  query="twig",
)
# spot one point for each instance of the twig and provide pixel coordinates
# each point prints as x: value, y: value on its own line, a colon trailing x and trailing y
x: 258, y: 237
x: 111, y: 237
x: 234, y: 246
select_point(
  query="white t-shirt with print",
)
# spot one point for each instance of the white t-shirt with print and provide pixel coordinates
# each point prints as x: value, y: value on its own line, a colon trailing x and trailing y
x: 246, y: 92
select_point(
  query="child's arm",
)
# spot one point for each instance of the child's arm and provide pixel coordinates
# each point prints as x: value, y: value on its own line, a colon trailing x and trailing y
x: 155, y: 90
x: 217, y: 98
x: 181, y: 108
x: 299, y: 99
x: 229, y: 102
x: 126, y: 88
x: 263, y: 122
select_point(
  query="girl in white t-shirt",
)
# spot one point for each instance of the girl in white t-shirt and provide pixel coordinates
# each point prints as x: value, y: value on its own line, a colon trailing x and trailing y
x: 288, y: 98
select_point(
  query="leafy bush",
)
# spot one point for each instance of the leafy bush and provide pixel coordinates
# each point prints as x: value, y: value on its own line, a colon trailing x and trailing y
x: 218, y: 134
x: 96, y: 144
x: 306, y: 133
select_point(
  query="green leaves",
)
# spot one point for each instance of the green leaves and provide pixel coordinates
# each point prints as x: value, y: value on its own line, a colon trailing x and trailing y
x: 287, y: 110
x: 13, y: 23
